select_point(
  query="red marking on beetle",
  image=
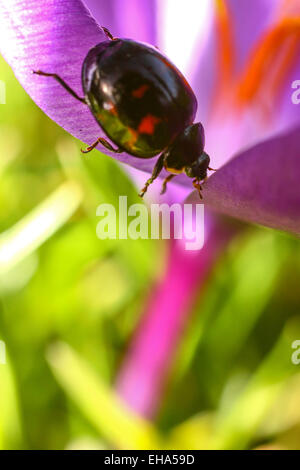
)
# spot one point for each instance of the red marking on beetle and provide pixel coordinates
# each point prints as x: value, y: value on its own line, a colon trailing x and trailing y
x: 113, y: 110
x: 147, y: 124
x: 139, y: 92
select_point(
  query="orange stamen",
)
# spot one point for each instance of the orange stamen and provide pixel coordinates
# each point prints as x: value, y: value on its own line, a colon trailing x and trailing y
x: 270, y: 61
x: 225, y: 42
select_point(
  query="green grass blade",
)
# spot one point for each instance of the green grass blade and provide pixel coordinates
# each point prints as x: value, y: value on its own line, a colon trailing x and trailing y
x: 37, y: 226
x: 100, y: 405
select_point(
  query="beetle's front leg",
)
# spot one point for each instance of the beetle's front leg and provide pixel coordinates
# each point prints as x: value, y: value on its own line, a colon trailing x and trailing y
x: 156, y: 171
x: 197, y: 185
x: 165, y: 182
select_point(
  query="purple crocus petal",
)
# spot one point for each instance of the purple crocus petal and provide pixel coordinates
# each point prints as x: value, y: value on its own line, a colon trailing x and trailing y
x: 230, y: 129
x: 144, y: 371
x: 261, y: 185
x: 31, y: 39
x: 204, y: 77
x: 247, y: 21
x: 288, y: 112
x: 55, y: 36
x: 136, y: 19
x: 231, y: 132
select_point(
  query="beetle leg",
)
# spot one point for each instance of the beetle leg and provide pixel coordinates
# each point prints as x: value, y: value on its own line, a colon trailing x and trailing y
x: 62, y: 83
x: 156, y: 171
x: 211, y: 169
x: 164, y: 185
x: 108, y: 33
x: 105, y: 144
x: 197, y: 185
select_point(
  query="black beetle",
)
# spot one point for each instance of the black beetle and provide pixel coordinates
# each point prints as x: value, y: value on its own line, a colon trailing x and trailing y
x: 145, y: 106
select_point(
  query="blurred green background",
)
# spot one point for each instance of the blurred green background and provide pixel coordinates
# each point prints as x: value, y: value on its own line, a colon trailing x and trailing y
x: 70, y: 302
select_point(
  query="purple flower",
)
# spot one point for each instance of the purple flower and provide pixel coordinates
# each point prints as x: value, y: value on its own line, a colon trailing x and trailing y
x: 242, y: 73
x: 242, y: 78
